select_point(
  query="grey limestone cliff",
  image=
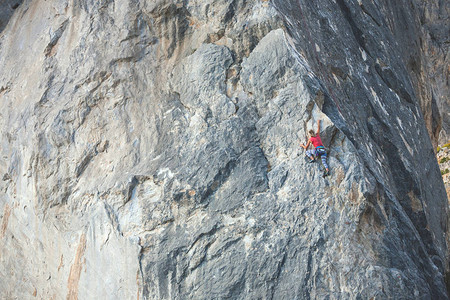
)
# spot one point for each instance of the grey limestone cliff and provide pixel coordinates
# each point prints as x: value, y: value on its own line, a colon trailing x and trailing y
x: 150, y: 150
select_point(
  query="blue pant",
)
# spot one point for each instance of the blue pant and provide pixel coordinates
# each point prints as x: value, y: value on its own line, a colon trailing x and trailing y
x: 321, y: 153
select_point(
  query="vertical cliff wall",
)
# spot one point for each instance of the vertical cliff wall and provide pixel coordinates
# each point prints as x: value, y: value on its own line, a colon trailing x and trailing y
x: 7, y: 8
x: 150, y: 150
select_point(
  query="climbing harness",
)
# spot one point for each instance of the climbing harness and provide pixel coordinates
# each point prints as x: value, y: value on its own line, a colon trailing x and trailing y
x: 320, y: 150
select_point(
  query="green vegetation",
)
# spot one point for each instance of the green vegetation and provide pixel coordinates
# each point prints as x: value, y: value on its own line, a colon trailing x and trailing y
x: 439, y: 148
x: 444, y: 159
x: 443, y: 172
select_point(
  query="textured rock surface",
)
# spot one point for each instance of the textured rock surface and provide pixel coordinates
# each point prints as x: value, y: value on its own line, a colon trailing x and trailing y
x: 150, y: 150
x: 435, y: 61
x: 443, y: 157
x: 7, y: 8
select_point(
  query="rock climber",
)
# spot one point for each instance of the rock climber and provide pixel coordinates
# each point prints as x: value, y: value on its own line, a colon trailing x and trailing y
x: 319, y: 150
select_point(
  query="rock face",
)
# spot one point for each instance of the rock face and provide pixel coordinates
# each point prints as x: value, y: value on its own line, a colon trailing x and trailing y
x: 150, y: 150
x: 7, y: 8
x: 434, y: 72
x: 443, y: 157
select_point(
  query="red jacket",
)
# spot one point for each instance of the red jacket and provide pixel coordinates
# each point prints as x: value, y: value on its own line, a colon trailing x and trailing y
x: 316, y: 141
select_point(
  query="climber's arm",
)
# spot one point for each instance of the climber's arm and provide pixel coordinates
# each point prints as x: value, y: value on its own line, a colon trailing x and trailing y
x: 305, y: 146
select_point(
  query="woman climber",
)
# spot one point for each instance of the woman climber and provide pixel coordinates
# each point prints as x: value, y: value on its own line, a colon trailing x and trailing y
x: 319, y: 149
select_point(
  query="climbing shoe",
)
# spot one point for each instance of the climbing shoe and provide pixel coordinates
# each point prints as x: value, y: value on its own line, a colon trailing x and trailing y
x: 326, y: 173
x: 309, y: 160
